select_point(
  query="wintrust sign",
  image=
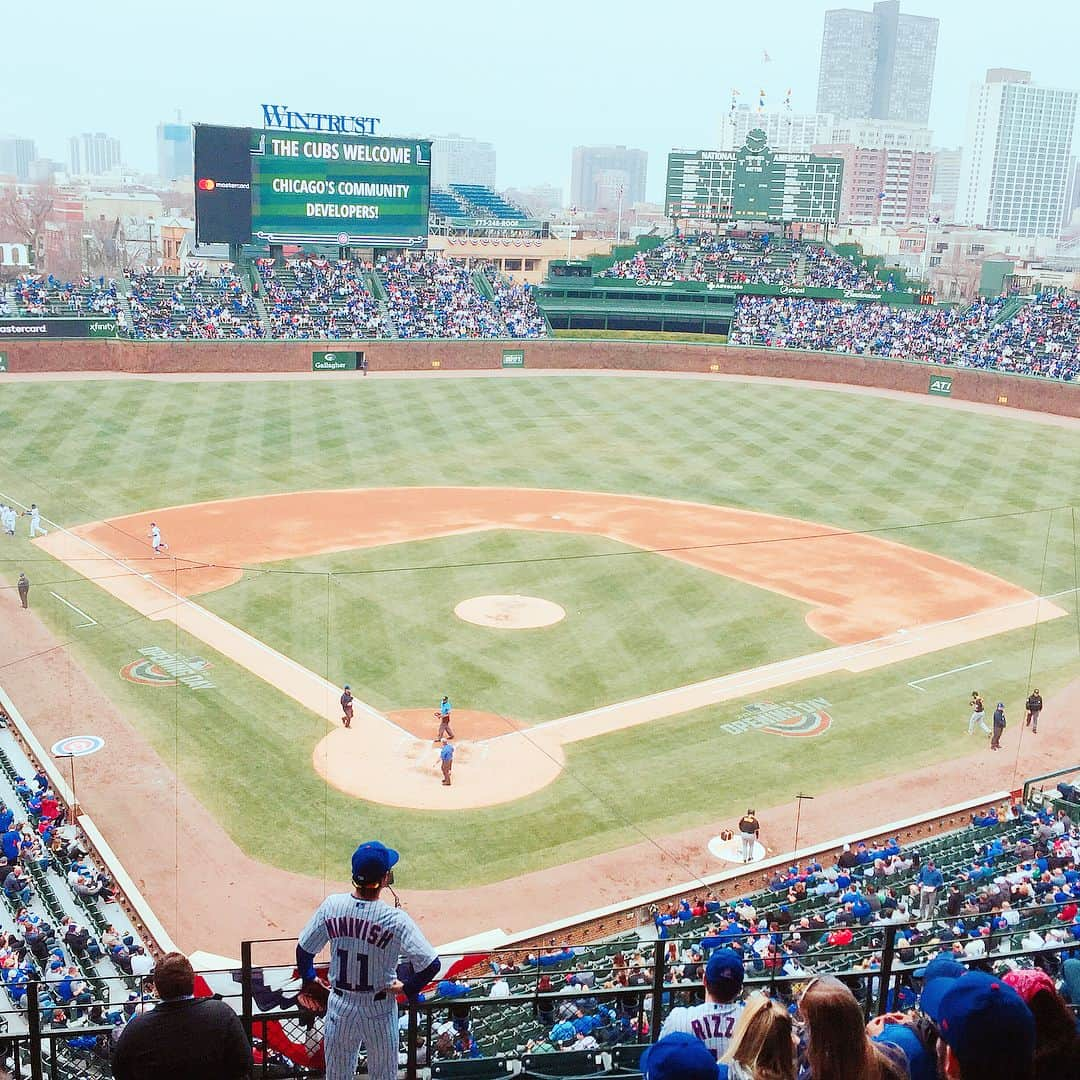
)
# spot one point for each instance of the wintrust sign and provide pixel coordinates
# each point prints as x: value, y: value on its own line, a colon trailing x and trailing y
x: 281, y: 116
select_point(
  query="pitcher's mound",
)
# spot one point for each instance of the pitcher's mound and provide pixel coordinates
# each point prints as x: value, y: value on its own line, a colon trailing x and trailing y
x: 510, y: 612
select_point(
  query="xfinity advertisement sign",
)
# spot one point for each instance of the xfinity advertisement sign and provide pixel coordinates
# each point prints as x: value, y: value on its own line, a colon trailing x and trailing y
x: 37, y: 329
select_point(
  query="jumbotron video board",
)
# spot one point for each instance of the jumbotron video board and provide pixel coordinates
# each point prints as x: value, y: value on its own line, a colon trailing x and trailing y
x: 290, y: 187
x: 753, y: 183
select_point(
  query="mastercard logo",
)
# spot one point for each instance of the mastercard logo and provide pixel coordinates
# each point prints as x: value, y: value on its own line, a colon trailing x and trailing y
x: 206, y: 185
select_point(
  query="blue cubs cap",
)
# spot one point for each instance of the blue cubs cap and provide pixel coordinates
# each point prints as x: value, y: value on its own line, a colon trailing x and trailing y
x: 724, y: 964
x: 371, y: 860
x: 922, y: 1064
x: 985, y: 1023
x: 679, y: 1056
x: 942, y: 966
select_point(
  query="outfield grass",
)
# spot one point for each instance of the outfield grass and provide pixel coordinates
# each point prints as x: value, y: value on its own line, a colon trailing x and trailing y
x: 635, y: 624
x: 88, y: 450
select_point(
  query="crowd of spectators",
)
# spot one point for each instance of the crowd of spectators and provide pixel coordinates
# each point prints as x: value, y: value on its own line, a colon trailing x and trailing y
x: 41, y: 295
x: 1042, y: 338
x: 433, y: 296
x: 199, y: 305
x: 54, y: 931
x: 762, y: 260
x: 1000, y: 897
x: 516, y: 306
x: 319, y: 299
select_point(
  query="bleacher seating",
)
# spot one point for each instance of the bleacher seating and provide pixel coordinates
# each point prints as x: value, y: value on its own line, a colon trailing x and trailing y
x: 104, y: 970
x: 433, y: 296
x: 198, y: 305
x: 485, y: 202
x: 314, y: 298
x: 41, y: 295
x: 796, y: 909
x: 447, y: 204
x: 515, y: 305
x: 1041, y: 338
x: 762, y: 260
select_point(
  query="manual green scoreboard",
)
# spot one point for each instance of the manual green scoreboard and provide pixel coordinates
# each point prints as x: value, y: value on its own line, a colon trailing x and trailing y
x: 753, y: 183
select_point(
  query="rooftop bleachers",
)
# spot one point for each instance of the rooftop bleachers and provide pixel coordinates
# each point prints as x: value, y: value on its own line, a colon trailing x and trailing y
x: 483, y: 201
x: 447, y: 204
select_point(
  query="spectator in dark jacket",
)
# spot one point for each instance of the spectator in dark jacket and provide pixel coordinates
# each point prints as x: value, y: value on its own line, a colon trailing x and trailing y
x: 184, y: 1038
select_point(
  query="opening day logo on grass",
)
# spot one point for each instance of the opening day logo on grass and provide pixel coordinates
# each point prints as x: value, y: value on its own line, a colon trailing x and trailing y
x: 161, y: 668
x: 792, y: 718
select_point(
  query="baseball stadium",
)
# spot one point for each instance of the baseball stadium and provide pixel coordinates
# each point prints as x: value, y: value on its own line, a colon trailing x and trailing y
x: 693, y: 600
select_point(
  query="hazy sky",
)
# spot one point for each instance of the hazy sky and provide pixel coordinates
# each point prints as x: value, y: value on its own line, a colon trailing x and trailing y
x: 534, y: 79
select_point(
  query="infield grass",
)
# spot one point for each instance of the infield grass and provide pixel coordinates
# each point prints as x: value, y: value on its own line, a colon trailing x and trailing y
x: 636, y: 622
x: 971, y: 487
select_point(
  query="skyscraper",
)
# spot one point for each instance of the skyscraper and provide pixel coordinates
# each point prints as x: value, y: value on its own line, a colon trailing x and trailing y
x: 877, y: 64
x: 15, y: 157
x: 175, y: 155
x: 599, y: 173
x: 794, y: 132
x: 1015, y: 165
x: 93, y: 154
x: 459, y: 159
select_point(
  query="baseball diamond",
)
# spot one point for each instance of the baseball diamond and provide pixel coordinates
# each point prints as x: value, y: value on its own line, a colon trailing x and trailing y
x: 728, y: 574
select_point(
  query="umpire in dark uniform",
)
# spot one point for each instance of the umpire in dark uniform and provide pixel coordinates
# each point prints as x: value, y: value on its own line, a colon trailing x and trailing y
x: 24, y: 590
x: 184, y: 1038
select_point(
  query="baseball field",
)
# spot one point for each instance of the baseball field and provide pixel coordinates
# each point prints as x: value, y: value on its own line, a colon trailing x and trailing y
x: 755, y: 589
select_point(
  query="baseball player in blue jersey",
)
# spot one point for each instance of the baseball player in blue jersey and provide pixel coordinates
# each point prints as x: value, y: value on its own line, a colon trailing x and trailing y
x: 366, y: 937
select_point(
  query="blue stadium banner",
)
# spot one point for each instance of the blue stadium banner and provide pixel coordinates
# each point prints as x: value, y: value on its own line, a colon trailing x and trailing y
x: 513, y: 358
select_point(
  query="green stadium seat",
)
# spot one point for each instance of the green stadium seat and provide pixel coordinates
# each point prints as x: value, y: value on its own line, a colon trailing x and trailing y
x: 627, y: 1057
x: 563, y: 1063
x: 473, y: 1069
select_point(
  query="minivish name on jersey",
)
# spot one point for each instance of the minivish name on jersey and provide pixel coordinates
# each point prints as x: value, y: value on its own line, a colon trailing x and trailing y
x: 348, y: 926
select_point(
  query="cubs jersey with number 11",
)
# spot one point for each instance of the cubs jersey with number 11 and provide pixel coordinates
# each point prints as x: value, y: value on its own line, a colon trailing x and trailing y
x: 366, y: 939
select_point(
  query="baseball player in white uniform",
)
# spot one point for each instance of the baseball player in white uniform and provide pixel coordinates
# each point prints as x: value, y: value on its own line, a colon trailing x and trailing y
x: 8, y: 518
x: 714, y: 1021
x: 155, y: 539
x: 366, y: 937
x: 35, y: 521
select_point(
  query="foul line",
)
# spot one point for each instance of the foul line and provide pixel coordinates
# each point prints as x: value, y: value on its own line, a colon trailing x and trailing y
x: 914, y: 684
x: 89, y: 621
x: 806, y: 663
x: 179, y: 600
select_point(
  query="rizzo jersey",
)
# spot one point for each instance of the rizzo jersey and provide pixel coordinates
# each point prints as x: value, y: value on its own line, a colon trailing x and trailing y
x: 711, y: 1022
x: 366, y: 939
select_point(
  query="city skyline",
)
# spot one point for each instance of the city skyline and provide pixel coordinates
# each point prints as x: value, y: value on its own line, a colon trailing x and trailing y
x: 418, y: 90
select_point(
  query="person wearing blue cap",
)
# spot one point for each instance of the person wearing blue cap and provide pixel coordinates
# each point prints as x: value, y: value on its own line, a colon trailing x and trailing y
x: 679, y: 1056
x: 714, y: 1021
x: 988, y: 1031
x: 367, y: 937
